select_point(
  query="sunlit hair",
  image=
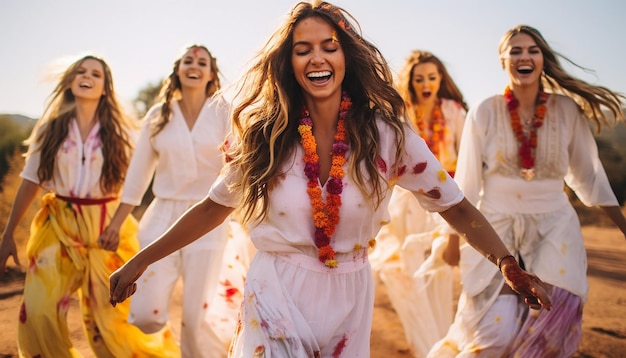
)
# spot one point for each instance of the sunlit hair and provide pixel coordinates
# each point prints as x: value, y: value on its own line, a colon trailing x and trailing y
x: 447, y: 89
x: 52, y: 128
x: 555, y: 79
x: 269, y: 102
x: 171, y: 88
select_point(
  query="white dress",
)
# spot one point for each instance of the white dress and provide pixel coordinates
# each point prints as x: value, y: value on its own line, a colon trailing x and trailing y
x: 294, y: 306
x: 534, y: 218
x: 409, y: 258
x: 185, y: 163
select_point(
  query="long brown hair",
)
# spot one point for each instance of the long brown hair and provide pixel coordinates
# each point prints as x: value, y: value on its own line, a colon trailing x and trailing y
x: 171, y: 88
x: 590, y: 98
x: 52, y: 128
x: 266, y: 118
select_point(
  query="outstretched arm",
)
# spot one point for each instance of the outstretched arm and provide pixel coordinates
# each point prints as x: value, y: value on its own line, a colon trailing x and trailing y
x: 197, y: 221
x: 471, y: 224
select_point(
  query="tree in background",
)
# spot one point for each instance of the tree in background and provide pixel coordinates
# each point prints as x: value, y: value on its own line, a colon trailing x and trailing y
x: 12, y: 133
x: 145, y: 98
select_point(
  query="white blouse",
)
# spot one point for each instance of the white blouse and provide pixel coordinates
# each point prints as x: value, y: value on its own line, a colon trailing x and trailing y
x: 184, y: 161
x: 78, y: 165
x: 289, y: 226
x: 566, y: 153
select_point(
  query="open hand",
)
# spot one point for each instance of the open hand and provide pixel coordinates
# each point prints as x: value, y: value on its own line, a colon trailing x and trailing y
x: 535, y: 292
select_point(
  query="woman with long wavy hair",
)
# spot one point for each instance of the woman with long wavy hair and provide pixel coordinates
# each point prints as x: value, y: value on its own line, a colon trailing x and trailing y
x: 517, y: 150
x: 180, y: 145
x: 318, y: 146
x: 78, y: 153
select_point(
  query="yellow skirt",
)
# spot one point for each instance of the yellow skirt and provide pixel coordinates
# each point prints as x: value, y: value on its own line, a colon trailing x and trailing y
x: 64, y: 258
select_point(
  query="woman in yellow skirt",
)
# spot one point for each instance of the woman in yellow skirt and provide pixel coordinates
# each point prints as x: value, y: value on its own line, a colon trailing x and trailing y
x: 78, y: 152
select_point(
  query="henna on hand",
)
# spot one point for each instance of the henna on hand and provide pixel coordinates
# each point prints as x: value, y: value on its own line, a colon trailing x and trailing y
x: 527, y: 285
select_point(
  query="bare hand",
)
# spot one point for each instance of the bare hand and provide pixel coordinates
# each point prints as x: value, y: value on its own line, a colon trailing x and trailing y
x: 7, y: 249
x: 122, y: 282
x: 109, y: 239
x: 534, y: 291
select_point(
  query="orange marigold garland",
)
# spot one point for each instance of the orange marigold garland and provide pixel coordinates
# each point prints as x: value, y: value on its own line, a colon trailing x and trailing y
x: 437, y: 127
x: 325, y: 215
x: 528, y: 143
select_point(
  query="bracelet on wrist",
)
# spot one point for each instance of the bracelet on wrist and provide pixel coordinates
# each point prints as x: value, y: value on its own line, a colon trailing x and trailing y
x: 499, y: 261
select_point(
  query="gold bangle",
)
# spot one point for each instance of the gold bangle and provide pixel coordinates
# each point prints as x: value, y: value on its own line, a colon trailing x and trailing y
x: 499, y: 261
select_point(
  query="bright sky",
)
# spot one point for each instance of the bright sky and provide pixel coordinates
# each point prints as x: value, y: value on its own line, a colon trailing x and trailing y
x: 141, y: 38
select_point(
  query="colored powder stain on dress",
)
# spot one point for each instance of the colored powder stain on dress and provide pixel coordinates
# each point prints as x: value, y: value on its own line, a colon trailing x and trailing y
x: 341, y: 345
x: 381, y: 164
x: 401, y: 170
x: 259, y: 352
x: 419, y: 168
x: 434, y: 193
x: 23, y: 313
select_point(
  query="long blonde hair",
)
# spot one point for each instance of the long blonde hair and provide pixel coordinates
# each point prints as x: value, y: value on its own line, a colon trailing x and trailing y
x: 52, y: 128
x: 266, y: 118
x: 590, y: 98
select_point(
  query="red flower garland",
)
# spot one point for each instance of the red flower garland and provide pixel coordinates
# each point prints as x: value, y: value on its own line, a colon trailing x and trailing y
x: 437, y: 128
x: 527, y: 143
x: 325, y: 216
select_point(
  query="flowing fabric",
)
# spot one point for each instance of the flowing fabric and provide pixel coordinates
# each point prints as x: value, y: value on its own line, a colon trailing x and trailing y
x: 65, y: 258
x: 534, y: 219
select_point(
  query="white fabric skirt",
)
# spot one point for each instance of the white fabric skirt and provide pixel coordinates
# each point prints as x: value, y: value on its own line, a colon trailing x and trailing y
x: 294, y: 306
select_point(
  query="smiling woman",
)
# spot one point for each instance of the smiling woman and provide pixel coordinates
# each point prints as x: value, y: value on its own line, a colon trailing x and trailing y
x: 179, y: 145
x: 517, y: 149
x: 318, y: 145
x: 78, y: 153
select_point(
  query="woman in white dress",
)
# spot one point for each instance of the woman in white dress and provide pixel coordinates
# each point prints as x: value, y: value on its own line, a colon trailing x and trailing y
x: 517, y: 151
x: 416, y: 250
x: 318, y: 146
x: 180, y: 144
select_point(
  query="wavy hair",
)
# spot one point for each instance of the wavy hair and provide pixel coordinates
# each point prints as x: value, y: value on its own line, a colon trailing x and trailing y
x: 269, y: 104
x: 447, y: 89
x: 171, y: 88
x: 52, y: 128
x: 554, y: 78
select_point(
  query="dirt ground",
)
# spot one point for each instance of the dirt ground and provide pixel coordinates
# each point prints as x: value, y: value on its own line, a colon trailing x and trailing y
x: 604, y: 320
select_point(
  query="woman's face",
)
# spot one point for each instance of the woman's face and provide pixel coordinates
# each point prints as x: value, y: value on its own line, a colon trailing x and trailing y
x: 425, y: 81
x: 194, y: 70
x: 523, y: 61
x: 88, y: 83
x: 317, y: 58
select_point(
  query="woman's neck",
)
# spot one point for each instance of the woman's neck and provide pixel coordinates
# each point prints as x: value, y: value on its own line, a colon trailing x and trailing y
x: 191, y: 104
x: 525, y: 95
x: 86, y: 117
x: 324, y: 114
x: 193, y: 100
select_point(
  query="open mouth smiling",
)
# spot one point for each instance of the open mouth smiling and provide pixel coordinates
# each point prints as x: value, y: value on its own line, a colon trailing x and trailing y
x: 319, y: 76
x: 525, y: 70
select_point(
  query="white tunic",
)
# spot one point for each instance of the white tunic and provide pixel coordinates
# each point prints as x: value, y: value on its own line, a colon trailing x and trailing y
x: 534, y: 218
x: 289, y: 291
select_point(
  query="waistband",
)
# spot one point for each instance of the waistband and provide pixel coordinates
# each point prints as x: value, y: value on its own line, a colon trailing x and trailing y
x: 90, y: 201
x: 353, y: 261
x: 85, y: 201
